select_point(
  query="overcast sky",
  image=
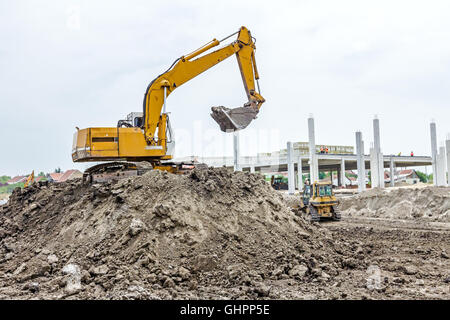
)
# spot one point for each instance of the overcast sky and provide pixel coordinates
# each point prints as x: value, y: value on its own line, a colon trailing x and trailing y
x: 87, y: 63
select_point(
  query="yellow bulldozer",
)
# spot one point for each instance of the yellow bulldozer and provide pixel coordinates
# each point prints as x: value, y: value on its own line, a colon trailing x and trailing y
x: 318, y: 202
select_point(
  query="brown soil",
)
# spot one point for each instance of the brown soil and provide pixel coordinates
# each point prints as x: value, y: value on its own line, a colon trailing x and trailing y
x: 429, y: 203
x: 209, y: 234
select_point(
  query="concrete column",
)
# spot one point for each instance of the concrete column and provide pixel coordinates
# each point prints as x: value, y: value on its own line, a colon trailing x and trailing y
x: 381, y: 168
x: 290, y: 165
x: 363, y: 163
x: 300, y: 174
x: 252, y: 169
x: 377, y: 163
x: 440, y: 168
x: 374, y: 168
x: 343, y: 172
x: 447, y: 146
x: 433, y: 150
x: 392, y: 172
x: 313, y: 163
x: 360, y: 161
x: 236, y: 153
x: 376, y: 134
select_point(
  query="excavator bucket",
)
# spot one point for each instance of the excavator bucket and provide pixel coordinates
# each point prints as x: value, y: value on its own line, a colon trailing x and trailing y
x: 235, y: 119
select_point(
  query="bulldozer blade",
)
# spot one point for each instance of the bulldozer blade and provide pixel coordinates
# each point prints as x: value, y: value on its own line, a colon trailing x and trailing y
x: 235, y: 119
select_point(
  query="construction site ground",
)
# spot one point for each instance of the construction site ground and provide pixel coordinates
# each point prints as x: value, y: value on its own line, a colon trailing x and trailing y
x: 215, y: 234
x: 403, y: 259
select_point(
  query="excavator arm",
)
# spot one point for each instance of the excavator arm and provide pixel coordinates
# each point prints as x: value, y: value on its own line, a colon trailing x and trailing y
x: 187, y: 68
x: 29, y: 180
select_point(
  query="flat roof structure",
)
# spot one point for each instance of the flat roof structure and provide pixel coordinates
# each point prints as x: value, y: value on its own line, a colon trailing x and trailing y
x: 326, y: 162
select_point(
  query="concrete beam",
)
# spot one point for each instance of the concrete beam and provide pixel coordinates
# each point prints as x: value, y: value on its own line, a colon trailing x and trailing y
x: 290, y: 164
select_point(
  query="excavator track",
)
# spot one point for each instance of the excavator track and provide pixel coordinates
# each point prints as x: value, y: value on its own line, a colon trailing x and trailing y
x: 116, y: 170
x: 312, y: 214
x: 113, y: 171
x: 336, y: 213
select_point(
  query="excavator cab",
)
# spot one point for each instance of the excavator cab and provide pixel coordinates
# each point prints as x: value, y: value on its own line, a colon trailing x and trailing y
x: 318, y: 202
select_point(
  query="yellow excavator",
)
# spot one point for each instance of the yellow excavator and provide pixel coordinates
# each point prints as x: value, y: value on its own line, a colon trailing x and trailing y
x: 147, y: 136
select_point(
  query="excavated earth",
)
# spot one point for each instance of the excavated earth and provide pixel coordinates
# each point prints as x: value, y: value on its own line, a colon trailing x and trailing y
x: 210, y: 234
x: 429, y: 203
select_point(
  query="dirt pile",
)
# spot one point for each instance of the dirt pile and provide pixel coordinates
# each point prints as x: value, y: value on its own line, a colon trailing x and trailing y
x: 431, y: 203
x: 208, y: 234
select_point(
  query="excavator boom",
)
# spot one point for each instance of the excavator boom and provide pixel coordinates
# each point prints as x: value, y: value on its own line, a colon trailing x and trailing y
x: 186, y: 68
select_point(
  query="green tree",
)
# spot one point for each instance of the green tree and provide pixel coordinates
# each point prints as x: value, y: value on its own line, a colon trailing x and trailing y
x: 4, y: 179
x: 422, y: 176
x: 10, y: 187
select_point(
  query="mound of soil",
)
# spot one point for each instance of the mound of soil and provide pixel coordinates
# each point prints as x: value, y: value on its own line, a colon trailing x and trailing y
x: 209, y: 234
x: 431, y: 203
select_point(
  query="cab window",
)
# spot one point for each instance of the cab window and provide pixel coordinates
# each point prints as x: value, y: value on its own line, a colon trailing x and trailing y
x: 325, y: 191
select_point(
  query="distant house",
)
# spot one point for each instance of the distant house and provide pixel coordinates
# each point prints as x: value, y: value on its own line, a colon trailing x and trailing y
x: 350, y: 179
x: 17, y: 179
x: 70, y: 175
x: 64, y: 176
x: 353, y: 181
x: 408, y: 176
x: 54, y: 177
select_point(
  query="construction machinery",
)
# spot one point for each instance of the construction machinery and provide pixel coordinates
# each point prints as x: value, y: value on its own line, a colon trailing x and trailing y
x: 29, y: 180
x: 147, y: 135
x: 318, y: 202
x: 279, y: 182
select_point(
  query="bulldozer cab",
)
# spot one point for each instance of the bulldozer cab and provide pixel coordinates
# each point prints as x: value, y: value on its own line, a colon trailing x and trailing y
x: 317, y: 190
x: 323, y: 190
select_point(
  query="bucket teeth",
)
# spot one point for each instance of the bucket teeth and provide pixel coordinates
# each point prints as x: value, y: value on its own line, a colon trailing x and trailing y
x: 235, y: 119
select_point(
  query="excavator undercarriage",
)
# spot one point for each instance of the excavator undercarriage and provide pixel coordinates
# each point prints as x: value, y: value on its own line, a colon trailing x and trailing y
x: 114, y: 171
